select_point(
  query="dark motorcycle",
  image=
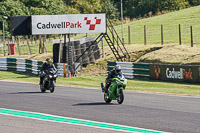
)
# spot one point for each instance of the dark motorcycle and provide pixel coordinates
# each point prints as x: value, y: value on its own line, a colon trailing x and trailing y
x: 49, y: 80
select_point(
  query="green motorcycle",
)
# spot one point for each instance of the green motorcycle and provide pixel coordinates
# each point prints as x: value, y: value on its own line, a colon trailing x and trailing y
x: 115, y: 90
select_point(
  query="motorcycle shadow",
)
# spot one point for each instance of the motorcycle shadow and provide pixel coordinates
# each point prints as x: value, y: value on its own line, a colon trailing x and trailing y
x: 92, y: 104
x: 34, y: 92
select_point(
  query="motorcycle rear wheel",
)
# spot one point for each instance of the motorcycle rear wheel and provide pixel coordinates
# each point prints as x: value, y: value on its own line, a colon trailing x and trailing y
x: 106, y: 99
x: 120, y: 98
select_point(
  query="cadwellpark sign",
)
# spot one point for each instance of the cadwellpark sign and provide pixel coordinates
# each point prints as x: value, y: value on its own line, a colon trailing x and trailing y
x: 68, y: 24
x: 177, y: 73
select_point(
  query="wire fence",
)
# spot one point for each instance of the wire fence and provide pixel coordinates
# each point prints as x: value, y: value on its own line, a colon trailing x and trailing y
x: 157, y: 34
x: 142, y: 34
x: 162, y: 34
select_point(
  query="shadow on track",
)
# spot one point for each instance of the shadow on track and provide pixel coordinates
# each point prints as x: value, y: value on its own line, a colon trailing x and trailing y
x: 91, y: 104
x: 26, y: 92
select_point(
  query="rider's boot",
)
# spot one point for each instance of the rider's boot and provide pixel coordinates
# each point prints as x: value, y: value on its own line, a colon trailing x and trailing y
x: 40, y: 83
x: 102, y: 87
x: 41, y: 79
x: 106, y: 88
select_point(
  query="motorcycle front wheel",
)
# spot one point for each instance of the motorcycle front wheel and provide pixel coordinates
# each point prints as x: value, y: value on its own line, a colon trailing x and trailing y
x: 52, y: 86
x: 106, y: 99
x: 120, y: 98
x: 42, y: 88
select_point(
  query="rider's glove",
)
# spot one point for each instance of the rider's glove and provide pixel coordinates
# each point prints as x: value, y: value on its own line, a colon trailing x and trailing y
x: 111, y: 80
x: 42, y: 73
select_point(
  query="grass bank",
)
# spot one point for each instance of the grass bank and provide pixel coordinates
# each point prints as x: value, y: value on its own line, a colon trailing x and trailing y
x: 94, y: 82
x: 170, y: 22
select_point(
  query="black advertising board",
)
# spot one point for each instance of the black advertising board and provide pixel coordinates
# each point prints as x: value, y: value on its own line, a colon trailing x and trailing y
x: 176, y: 73
x: 21, y: 25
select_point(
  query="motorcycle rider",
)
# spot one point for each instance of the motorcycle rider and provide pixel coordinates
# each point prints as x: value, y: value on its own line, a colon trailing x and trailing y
x: 116, y: 71
x: 48, y: 64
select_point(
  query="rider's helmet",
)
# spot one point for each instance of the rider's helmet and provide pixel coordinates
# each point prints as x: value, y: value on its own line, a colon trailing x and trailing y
x: 48, y: 61
x: 117, y: 69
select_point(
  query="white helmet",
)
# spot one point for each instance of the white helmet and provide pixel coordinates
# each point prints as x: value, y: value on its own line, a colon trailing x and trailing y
x: 117, y: 69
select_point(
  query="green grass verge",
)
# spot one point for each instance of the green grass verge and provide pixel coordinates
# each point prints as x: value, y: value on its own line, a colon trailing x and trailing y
x: 94, y: 82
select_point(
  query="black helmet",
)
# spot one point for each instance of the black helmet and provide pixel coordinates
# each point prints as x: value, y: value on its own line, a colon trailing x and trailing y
x: 117, y: 69
x: 48, y: 60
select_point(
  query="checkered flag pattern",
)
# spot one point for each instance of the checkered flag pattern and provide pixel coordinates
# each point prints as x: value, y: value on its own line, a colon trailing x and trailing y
x: 92, y: 26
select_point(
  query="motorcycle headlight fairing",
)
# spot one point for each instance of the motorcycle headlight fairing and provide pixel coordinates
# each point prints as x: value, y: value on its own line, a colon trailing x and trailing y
x: 118, y: 82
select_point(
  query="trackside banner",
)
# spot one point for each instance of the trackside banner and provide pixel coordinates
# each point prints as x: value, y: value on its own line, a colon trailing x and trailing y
x: 66, y: 24
x: 177, y: 73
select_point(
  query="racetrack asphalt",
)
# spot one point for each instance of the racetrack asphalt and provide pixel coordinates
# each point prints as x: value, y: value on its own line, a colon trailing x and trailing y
x: 162, y: 112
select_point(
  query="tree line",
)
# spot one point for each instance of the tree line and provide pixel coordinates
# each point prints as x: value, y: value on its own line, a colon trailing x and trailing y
x: 131, y: 8
x: 140, y: 8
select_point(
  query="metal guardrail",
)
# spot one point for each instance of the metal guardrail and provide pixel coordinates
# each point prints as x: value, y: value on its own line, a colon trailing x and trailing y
x: 29, y: 66
x: 131, y: 70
